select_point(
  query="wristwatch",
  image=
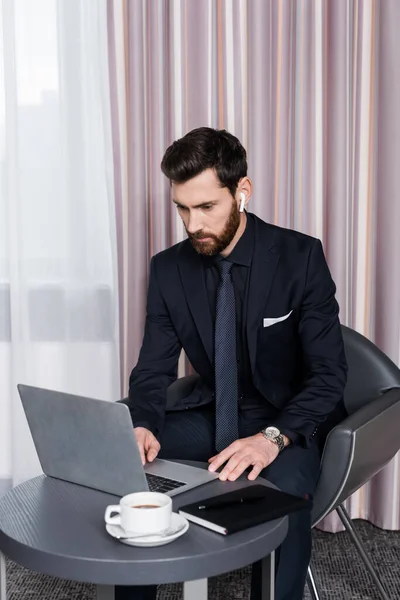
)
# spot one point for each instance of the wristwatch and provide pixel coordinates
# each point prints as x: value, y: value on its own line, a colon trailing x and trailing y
x: 273, y: 434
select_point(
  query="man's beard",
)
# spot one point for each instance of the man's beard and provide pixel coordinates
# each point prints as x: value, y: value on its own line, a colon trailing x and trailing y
x: 217, y: 244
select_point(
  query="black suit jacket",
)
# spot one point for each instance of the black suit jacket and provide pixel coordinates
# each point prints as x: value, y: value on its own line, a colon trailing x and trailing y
x: 298, y: 363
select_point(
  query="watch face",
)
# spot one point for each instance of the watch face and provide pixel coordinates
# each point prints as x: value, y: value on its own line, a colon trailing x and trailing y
x: 272, y: 432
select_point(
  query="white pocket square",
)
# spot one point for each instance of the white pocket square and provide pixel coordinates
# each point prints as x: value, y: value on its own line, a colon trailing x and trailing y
x: 273, y: 320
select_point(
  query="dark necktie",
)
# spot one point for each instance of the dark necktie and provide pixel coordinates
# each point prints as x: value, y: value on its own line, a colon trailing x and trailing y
x: 226, y: 387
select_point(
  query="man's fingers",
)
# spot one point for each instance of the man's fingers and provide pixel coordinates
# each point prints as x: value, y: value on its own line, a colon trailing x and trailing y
x: 153, y: 451
x: 147, y: 443
x: 235, y: 467
x: 230, y: 466
x: 141, y: 450
x: 217, y: 462
x: 152, y: 454
x: 256, y: 470
x: 221, y: 458
x: 239, y: 456
x: 240, y: 469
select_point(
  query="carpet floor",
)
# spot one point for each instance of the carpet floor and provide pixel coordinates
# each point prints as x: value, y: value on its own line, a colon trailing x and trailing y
x: 339, y: 572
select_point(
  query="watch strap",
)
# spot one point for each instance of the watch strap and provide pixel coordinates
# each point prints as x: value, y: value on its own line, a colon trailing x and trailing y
x: 277, y: 439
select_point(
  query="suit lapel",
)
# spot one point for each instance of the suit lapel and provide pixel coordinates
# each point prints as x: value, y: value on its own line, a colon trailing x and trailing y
x: 264, y: 264
x: 193, y: 281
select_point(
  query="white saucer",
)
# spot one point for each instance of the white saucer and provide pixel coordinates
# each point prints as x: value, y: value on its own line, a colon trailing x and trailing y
x: 177, y: 521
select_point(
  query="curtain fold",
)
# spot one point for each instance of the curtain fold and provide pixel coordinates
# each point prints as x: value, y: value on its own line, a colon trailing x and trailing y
x: 312, y: 89
x: 58, y: 259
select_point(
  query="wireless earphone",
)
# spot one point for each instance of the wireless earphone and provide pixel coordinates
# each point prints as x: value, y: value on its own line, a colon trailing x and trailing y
x: 242, y: 201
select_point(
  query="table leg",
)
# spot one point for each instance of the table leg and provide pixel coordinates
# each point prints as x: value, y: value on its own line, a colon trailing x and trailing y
x: 195, y: 590
x: 105, y: 592
x: 268, y: 577
x: 3, y: 583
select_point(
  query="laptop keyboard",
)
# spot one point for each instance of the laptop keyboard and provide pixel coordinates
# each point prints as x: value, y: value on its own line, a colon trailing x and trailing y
x: 161, y: 484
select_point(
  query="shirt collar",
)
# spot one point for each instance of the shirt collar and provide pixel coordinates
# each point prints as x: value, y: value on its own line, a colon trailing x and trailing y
x: 242, y: 253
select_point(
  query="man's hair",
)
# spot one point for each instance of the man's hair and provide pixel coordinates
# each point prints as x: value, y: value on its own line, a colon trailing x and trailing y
x: 206, y: 148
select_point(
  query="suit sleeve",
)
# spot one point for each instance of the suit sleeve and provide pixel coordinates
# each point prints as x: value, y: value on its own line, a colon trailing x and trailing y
x: 324, y: 361
x: 157, y: 364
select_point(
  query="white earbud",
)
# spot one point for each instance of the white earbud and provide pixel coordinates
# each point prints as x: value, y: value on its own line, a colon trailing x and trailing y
x: 242, y: 201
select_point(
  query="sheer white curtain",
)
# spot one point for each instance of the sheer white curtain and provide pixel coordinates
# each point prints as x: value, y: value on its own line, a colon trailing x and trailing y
x: 58, y: 288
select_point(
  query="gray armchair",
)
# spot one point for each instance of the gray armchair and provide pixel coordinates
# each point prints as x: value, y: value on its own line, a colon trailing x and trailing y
x: 361, y: 445
x: 357, y: 448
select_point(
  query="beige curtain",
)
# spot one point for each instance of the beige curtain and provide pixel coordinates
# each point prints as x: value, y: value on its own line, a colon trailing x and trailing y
x: 312, y: 88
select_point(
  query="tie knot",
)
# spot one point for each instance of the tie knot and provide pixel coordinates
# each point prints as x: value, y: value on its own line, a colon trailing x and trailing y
x: 224, y: 266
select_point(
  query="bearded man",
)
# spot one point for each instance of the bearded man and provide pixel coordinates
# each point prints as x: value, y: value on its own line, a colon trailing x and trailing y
x: 253, y: 306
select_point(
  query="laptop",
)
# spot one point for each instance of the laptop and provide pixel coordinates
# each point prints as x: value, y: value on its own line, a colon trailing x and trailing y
x: 92, y: 443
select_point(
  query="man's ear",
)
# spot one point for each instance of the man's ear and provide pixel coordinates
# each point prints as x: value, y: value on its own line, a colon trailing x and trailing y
x: 245, y: 188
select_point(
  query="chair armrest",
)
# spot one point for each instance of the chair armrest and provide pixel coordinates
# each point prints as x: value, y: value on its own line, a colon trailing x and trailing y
x: 123, y: 401
x: 357, y: 449
x: 181, y: 388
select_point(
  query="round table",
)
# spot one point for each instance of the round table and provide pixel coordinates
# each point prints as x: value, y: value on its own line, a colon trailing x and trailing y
x: 57, y: 528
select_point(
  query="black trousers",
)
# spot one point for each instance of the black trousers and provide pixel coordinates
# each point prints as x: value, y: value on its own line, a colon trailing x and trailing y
x: 190, y: 435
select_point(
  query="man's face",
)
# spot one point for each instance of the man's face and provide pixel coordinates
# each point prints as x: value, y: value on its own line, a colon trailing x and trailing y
x: 209, y: 213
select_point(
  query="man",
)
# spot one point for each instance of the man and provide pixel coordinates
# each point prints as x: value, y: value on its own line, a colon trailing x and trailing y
x: 253, y: 307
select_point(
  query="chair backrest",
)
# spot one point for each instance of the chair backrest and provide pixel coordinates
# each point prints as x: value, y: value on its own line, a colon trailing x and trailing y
x: 371, y: 372
x: 353, y: 451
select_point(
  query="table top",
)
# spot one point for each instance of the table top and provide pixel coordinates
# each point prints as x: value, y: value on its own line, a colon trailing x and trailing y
x: 55, y: 527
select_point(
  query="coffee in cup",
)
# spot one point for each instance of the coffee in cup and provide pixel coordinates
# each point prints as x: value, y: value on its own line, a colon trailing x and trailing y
x: 141, y: 512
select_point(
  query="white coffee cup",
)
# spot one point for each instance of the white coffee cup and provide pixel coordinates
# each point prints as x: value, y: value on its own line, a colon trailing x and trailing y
x: 141, y: 512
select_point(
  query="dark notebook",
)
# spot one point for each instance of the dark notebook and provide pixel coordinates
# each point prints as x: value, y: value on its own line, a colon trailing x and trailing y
x: 242, y: 508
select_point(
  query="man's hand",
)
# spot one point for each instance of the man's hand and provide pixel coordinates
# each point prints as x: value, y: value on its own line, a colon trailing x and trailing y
x: 255, y: 451
x: 148, y: 444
